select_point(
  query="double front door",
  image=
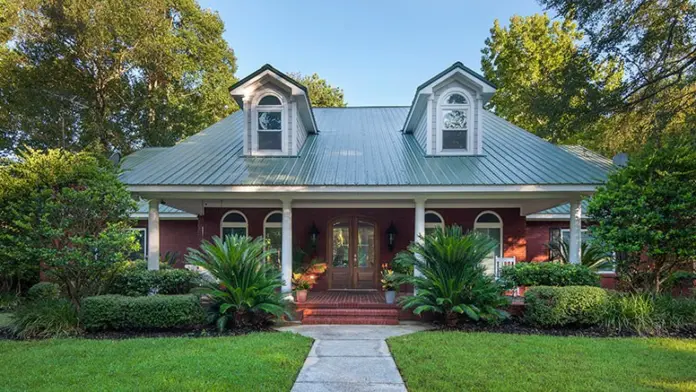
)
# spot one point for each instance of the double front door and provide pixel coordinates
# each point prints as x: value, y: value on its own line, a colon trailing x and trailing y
x: 352, y: 253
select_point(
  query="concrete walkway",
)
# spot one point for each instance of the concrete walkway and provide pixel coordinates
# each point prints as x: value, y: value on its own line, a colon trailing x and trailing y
x: 350, y: 358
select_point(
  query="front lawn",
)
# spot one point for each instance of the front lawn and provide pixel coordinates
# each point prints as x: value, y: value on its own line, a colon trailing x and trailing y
x: 457, y: 361
x: 255, y: 362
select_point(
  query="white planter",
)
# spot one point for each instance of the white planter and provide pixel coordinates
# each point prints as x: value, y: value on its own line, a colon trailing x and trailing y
x: 390, y: 296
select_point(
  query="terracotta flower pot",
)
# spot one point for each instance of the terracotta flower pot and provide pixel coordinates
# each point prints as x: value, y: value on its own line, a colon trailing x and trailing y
x: 300, y: 296
x: 390, y: 296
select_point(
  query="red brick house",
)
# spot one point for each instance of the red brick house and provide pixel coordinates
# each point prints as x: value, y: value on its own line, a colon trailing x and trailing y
x: 356, y: 185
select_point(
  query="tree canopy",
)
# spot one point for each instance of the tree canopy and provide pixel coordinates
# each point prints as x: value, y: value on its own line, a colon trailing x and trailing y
x: 646, y: 213
x: 109, y: 72
x: 546, y: 83
x: 321, y: 93
x: 68, y: 212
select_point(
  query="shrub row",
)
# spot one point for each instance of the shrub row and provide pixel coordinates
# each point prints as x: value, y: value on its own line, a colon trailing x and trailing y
x: 548, y: 274
x: 117, y: 312
x: 136, y: 281
x: 617, y: 312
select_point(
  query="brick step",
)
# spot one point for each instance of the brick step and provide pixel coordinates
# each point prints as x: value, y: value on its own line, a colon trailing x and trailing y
x: 328, y: 315
x: 309, y: 305
x: 351, y: 312
x: 370, y: 320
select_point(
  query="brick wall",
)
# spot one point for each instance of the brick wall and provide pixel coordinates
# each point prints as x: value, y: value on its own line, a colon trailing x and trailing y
x: 176, y: 236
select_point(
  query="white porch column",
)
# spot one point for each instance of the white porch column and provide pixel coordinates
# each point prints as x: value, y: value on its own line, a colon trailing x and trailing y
x: 286, y: 248
x: 419, y: 231
x: 153, y: 236
x: 574, y: 247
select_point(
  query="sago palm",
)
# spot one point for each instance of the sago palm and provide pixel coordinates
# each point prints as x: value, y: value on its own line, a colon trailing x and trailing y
x: 453, y: 280
x: 593, y: 256
x: 246, y: 292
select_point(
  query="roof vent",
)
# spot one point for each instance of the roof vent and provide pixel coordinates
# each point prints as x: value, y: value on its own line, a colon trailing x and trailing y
x: 620, y: 159
x: 115, y: 157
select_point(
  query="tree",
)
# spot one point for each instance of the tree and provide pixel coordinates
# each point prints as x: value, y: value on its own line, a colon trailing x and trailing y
x: 69, y: 213
x: 646, y: 214
x: 105, y: 71
x: 655, y: 41
x: 546, y: 84
x: 321, y: 93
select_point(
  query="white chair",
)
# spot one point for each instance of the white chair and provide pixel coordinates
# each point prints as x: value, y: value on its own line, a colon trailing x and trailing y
x: 501, y: 262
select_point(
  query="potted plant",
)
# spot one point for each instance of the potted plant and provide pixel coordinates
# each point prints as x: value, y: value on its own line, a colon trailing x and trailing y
x: 301, y: 287
x: 389, y: 285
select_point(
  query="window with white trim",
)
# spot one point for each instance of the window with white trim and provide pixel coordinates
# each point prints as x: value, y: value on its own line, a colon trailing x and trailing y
x: 234, y: 223
x: 269, y: 123
x: 454, y: 122
x: 490, y: 224
x: 141, y: 238
x: 586, y: 237
x: 433, y: 221
x: 273, y: 235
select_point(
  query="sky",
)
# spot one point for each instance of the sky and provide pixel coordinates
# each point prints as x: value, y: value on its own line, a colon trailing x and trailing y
x: 377, y: 51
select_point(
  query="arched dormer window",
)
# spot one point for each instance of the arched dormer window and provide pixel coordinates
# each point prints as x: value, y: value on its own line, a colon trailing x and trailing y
x: 491, y: 225
x: 454, y: 122
x: 269, y: 124
x: 234, y: 223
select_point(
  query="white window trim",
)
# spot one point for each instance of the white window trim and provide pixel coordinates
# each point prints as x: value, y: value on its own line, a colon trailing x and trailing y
x: 144, y: 230
x: 283, y: 109
x: 224, y: 224
x: 433, y: 225
x: 272, y: 225
x: 441, y: 105
x: 488, y: 225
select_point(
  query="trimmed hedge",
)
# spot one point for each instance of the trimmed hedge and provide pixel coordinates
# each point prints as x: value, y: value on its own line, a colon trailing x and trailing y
x: 117, y: 312
x: 560, y: 306
x: 549, y: 274
x: 135, y: 282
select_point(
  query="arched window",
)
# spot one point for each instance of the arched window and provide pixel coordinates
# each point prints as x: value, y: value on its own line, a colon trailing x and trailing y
x: 454, y: 122
x: 433, y: 221
x: 269, y: 123
x: 273, y: 234
x: 234, y: 223
x: 490, y: 224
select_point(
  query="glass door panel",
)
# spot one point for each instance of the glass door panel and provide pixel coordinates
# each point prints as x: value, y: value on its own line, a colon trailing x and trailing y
x: 340, y: 254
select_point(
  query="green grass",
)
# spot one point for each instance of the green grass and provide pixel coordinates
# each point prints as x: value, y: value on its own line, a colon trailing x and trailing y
x: 457, y: 361
x: 255, y: 362
x: 5, y: 319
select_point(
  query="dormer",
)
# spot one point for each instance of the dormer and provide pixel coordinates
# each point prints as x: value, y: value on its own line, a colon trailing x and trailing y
x: 277, y: 113
x: 446, y: 113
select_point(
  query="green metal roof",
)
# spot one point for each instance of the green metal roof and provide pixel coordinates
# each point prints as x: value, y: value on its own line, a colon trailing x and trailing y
x: 361, y: 146
x: 564, y: 209
x: 144, y: 208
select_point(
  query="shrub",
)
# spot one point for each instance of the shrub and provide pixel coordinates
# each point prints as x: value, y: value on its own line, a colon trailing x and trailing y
x: 649, y: 314
x: 454, y: 282
x: 548, y: 274
x: 9, y: 301
x: 135, y: 281
x: 65, y: 208
x: 45, y: 318
x: 117, y: 312
x: 247, y: 292
x: 560, y: 306
x: 43, y: 290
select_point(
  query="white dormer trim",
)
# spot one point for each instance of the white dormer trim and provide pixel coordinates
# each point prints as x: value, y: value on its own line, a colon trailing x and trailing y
x: 282, y: 109
x: 441, y: 105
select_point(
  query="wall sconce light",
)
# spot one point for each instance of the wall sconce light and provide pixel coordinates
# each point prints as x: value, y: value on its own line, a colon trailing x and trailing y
x: 313, y: 233
x: 391, y: 236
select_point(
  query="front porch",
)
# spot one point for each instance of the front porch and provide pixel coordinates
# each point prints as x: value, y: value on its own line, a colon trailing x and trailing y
x: 356, y: 238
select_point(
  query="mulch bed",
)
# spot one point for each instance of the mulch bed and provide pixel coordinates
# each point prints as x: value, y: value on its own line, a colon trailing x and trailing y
x: 516, y: 327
